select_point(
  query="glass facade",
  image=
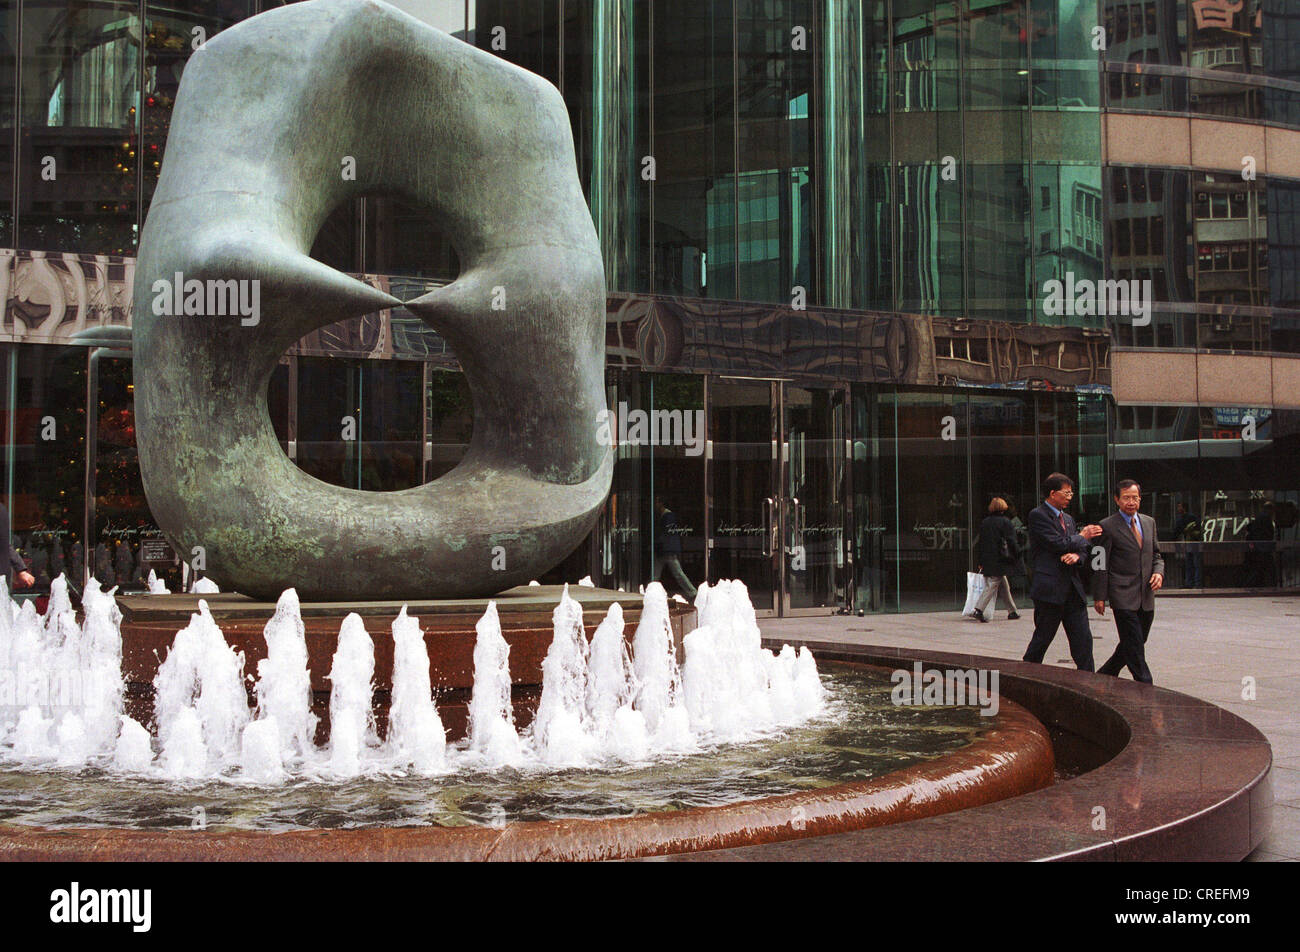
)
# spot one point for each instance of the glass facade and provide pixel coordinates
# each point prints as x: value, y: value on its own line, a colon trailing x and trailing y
x: 1212, y: 58
x: 1220, y: 252
x: 1234, y: 471
x: 828, y: 231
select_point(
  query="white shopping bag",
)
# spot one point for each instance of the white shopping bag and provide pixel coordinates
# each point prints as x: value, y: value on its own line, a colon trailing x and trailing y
x: 974, y: 589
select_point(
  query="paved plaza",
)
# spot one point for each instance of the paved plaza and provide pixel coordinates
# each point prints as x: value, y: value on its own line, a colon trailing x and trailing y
x: 1203, y: 646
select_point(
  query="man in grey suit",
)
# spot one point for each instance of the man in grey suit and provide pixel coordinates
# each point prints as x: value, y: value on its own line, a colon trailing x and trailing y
x: 1130, y: 573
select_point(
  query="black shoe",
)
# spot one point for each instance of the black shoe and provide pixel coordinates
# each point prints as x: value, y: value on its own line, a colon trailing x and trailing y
x: 1013, y: 616
x: 979, y: 616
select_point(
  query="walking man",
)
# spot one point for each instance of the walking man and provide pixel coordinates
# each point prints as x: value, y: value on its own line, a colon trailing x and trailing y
x: 668, y: 546
x: 1057, y: 588
x: 1131, y: 572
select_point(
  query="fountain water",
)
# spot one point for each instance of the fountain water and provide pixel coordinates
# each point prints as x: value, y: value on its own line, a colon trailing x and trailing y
x: 199, y: 689
x: 601, y: 704
x: 284, y: 683
x: 415, y: 734
x: 62, y: 681
x: 491, y: 714
x: 352, y: 719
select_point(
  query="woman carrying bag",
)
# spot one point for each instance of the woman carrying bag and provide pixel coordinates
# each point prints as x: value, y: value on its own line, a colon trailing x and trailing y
x: 999, y: 556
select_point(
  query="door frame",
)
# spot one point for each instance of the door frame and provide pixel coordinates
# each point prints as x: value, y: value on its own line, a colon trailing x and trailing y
x: 772, y: 504
x: 777, y: 504
x: 845, y: 515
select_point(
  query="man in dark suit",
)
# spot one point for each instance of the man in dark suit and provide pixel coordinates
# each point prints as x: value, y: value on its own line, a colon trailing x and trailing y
x: 1130, y: 572
x: 1057, y: 589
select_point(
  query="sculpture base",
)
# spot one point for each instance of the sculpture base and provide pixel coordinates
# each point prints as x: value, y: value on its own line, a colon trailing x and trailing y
x: 150, y: 623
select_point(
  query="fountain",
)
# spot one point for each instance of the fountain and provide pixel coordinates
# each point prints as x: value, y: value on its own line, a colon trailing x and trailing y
x: 635, y: 718
x: 609, y: 733
x: 597, y: 704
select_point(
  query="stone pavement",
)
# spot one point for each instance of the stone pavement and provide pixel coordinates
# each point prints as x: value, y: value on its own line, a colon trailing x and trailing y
x: 1202, y: 646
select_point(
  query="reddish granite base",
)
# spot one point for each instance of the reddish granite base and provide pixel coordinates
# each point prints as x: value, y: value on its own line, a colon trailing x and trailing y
x: 150, y: 623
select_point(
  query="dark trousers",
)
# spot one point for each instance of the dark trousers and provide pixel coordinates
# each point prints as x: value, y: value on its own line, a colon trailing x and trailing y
x: 1131, y: 652
x: 1048, y: 618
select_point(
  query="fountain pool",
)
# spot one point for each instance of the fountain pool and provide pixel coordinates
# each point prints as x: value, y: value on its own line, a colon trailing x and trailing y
x: 631, y: 732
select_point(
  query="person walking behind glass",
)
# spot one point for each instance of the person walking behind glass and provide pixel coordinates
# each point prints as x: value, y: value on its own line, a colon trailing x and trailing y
x: 668, y: 548
x: 1188, y: 529
x: 999, y: 556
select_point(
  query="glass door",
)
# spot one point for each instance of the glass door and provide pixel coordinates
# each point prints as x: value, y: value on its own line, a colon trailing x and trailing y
x: 744, y: 508
x: 778, y: 493
x: 124, y: 543
x: 814, y: 499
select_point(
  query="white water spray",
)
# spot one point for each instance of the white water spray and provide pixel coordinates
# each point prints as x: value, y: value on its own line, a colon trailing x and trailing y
x: 352, y: 719
x: 559, y: 733
x: 284, y: 683
x: 491, y: 712
x: 201, y: 679
x: 416, y: 738
x: 600, y: 704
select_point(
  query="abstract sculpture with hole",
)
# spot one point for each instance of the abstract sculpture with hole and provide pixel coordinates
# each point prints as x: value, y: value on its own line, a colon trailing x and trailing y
x: 271, y: 118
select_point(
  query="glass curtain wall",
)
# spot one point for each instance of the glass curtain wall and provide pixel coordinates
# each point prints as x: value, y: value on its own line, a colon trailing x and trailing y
x: 1219, y: 251
x: 359, y: 422
x: 656, y: 508
x: 9, y: 54
x: 45, y: 447
x: 1223, y: 484
x: 915, y: 155
x: 79, y: 160
x: 1225, y: 58
x: 926, y: 464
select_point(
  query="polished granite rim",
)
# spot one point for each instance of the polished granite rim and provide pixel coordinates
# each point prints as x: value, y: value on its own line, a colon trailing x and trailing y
x: 1010, y: 757
x: 1159, y: 775
x: 1155, y: 775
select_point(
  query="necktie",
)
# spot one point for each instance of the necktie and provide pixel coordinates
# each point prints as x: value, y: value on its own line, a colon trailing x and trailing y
x: 1063, y: 529
x: 1137, y: 531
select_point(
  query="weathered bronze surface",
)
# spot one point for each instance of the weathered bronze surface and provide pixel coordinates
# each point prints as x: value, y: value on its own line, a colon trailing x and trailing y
x: 278, y: 121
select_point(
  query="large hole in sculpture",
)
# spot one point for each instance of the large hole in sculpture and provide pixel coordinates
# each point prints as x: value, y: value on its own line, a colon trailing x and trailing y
x: 350, y: 402
x: 388, y: 235
x: 361, y: 423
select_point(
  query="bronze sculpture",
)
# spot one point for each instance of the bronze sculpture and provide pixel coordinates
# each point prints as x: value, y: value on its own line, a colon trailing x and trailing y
x: 269, y: 117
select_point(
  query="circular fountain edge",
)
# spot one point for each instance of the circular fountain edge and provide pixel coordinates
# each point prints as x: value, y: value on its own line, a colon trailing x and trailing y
x: 1013, y: 756
x: 1178, y: 778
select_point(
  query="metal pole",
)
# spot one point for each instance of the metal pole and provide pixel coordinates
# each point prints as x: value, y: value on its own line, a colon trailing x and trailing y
x: 92, y: 446
x: 92, y: 453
